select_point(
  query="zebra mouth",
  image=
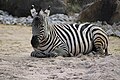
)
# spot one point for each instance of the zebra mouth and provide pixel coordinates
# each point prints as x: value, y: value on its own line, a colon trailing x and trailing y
x: 38, y: 25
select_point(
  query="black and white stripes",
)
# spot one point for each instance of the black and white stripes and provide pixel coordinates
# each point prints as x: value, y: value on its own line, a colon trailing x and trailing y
x: 81, y: 38
x: 67, y: 39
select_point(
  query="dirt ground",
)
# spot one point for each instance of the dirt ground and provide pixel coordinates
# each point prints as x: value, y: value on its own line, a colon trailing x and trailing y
x: 16, y: 63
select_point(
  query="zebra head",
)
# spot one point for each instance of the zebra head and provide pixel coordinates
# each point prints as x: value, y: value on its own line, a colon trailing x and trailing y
x: 39, y: 23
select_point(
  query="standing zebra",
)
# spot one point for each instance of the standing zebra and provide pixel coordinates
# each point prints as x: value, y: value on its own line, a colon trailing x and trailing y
x: 66, y: 39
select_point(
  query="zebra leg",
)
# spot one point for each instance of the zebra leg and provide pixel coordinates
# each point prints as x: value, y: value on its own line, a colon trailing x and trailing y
x: 39, y: 54
x: 99, y: 50
x: 61, y: 52
x: 106, y: 52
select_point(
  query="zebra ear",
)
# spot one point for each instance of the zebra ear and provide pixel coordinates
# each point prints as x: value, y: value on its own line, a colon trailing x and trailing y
x: 33, y: 11
x: 47, y: 11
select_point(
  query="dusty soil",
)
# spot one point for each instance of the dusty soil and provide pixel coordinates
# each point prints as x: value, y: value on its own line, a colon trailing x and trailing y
x: 16, y: 63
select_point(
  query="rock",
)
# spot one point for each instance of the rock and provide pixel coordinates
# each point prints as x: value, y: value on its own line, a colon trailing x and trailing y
x: 110, y: 32
x: 60, y: 18
x: 85, y: 2
x: 9, y: 19
x: 117, y: 33
x: 107, y: 10
x: 14, y: 22
x: 116, y: 16
x: 90, y: 13
x: 102, y: 10
x: 3, y: 12
x: 29, y: 20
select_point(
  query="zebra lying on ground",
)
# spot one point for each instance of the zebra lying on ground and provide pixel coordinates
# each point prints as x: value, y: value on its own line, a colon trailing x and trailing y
x: 66, y: 39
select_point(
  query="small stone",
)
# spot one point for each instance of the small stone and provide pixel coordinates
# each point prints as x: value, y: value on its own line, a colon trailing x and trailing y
x: 117, y: 33
x: 52, y: 60
x: 60, y: 57
x: 110, y: 32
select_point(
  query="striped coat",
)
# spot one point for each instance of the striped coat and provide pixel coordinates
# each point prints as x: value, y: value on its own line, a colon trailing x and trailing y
x: 71, y: 40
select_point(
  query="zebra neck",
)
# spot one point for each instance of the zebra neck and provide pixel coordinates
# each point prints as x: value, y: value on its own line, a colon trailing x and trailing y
x: 44, y: 39
x: 46, y: 26
x: 44, y: 34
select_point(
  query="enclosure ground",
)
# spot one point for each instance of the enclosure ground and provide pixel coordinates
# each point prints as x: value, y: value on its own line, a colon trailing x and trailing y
x: 16, y: 63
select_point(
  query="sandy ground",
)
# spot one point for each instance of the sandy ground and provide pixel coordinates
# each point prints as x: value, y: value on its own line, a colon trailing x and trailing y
x: 16, y: 63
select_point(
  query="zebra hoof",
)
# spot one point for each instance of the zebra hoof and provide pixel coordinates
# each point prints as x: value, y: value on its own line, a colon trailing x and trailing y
x: 37, y: 54
x: 53, y: 55
x: 108, y: 54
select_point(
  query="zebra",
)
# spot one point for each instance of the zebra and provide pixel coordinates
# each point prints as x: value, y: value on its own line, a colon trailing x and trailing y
x: 66, y: 40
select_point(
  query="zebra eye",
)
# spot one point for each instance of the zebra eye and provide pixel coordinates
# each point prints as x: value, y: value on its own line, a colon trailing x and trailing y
x: 42, y: 26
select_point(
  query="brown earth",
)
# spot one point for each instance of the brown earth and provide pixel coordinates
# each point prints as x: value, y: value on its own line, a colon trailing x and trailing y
x: 16, y: 63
